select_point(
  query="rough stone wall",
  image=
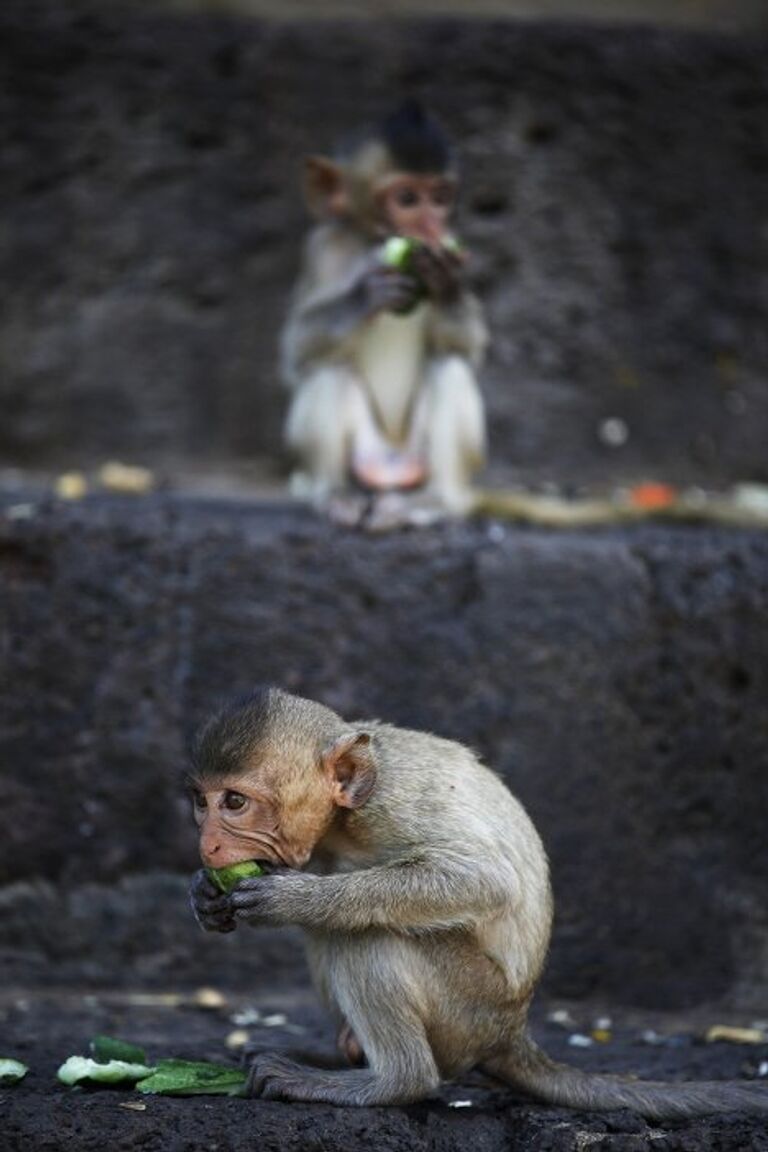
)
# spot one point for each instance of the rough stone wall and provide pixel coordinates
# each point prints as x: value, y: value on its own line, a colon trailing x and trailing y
x: 616, y: 680
x: 616, y: 209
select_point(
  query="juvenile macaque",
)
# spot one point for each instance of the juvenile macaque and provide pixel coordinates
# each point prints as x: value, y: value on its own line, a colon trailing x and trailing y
x: 425, y: 902
x: 381, y: 355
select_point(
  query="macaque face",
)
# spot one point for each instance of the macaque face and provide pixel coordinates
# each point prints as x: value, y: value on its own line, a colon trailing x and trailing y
x: 248, y: 817
x: 237, y: 822
x: 277, y: 809
x: 417, y: 206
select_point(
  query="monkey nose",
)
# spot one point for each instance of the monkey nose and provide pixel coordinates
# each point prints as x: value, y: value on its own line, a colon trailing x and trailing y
x: 209, y: 854
x: 431, y: 233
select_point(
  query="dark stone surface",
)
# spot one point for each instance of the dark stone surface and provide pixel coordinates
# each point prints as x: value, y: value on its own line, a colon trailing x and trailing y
x: 616, y: 679
x: 615, y: 207
x: 43, y: 1030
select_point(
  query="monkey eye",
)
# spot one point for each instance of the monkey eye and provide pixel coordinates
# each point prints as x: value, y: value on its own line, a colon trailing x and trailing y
x: 406, y: 197
x: 234, y: 801
x: 199, y: 800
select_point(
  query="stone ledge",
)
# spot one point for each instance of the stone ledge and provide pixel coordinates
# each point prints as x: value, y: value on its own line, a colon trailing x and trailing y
x: 616, y: 679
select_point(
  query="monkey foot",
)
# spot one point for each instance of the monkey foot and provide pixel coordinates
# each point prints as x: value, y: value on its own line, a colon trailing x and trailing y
x: 390, y: 469
x: 274, y: 1077
x: 350, y: 1047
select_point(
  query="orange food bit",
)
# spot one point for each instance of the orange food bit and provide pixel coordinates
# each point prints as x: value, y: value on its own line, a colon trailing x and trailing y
x: 652, y: 495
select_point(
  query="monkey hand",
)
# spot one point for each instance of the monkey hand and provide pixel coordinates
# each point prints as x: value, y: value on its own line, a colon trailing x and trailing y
x: 440, y: 271
x: 383, y: 289
x: 212, y: 908
x: 274, y: 899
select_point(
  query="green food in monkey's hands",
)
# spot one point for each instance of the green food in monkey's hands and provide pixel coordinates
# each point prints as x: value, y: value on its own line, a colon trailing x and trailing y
x: 226, y: 878
x: 398, y: 251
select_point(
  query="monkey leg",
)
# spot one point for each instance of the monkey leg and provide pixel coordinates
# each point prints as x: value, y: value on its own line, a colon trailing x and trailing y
x: 449, y: 428
x: 325, y: 416
x: 404, y: 1071
x: 375, y: 991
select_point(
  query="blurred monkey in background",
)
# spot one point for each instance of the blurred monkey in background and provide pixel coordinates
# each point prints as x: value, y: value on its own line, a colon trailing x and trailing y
x: 381, y: 357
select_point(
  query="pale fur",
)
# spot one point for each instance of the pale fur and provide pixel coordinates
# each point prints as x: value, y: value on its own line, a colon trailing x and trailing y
x: 427, y: 912
x: 357, y: 379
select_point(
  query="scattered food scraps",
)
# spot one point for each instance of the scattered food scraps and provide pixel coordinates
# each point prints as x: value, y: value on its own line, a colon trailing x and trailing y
x: 752, y: 496
x: 126, y: 478
x: 237, y: 1039
x: 459, y: 1103
x: 209, y: 998
x: 278, y: 1020
x: 20, y: 511
x: 154, y: 999
x: 82, y: 1069
x: 562, y: 1017
x: 735, y: 1035
x: 71, y: 486
x: 652, y: 495
x: 12, y: 1071
x: 133, y: 1105
x: 577, y: 1040
x: 194, y: 1078
x: 613, y: 432
x: 246, y: 1017
x: 164, y: 1077
x: 106, y: 1048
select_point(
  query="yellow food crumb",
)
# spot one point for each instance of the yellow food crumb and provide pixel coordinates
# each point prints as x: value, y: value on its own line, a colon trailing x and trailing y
x: 71, y: 486
x: 126, y: 478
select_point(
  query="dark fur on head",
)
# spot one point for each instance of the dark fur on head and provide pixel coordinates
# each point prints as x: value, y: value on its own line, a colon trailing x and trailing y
x: 225, y: 740
x: 243, y: 730
x: 415, y: 140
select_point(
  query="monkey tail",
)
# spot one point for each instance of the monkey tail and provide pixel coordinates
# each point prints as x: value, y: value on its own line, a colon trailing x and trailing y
x: 529, y: 1069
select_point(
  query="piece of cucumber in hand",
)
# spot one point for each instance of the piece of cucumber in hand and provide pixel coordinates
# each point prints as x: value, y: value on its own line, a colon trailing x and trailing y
x: 226, y: 878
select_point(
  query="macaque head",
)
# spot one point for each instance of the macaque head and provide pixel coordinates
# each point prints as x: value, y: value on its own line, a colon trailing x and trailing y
x: 270, y: 776
x: 399, y: 181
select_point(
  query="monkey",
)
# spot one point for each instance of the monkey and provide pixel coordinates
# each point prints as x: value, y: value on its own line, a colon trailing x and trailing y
x: 423, y: 890
x: 382, y: 362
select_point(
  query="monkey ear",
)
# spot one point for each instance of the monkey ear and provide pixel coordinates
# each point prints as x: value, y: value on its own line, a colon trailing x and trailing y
x: 325, y: 188
x: 351, y: 769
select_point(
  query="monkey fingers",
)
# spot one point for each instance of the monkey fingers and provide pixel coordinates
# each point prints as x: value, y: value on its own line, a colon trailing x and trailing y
x: 390, y: 291
x: 216, y: 920
x: 212, y: 909
x: 254, y: 901
x: 440, y: 271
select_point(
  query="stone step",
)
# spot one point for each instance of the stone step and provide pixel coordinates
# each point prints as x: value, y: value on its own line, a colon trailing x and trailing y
x: 616, y: 679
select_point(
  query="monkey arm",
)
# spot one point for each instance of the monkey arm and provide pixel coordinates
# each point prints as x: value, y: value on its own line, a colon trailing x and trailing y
x: 326, y: 323
x: 459, y: 329
x: 343, y: 285
x: 418, y: 894
x: 321, y: 324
